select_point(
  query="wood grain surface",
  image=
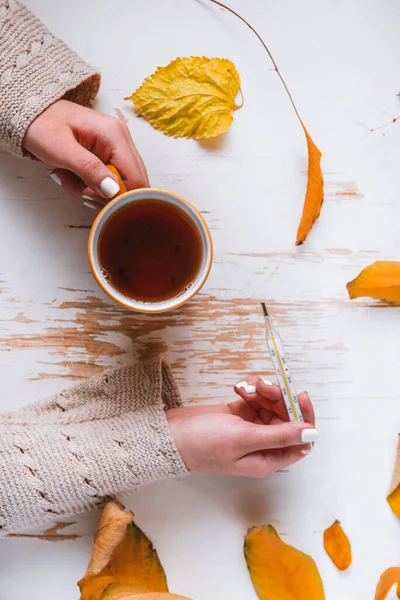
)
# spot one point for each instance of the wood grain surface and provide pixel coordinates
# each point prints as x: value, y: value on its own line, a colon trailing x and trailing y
x: 340, y: 61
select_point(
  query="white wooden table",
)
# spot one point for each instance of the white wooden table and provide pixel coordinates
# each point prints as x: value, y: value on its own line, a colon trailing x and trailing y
x: 341, y: 63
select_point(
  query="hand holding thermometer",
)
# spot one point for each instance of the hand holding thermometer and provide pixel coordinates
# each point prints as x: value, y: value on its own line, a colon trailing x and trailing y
x: 282, y: 369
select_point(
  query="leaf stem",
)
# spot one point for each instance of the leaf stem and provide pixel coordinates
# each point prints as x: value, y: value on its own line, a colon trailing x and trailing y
x: 237, y: 106
x: 266, y: 48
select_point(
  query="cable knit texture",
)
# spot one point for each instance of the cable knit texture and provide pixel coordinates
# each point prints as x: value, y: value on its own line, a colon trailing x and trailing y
x: 36, y: 69
x: 99, y: 438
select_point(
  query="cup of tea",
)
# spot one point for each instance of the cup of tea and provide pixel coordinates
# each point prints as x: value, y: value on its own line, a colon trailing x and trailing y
x: 150, y: 250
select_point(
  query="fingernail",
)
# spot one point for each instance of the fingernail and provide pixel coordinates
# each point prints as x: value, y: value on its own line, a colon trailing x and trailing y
x: 309, y: 435
x: 266, y: 381
x: 89, y: 204
x: 247, y: 387
x: 96, y: 202
x: 56, y: 178
x: 109, y: 187
x: 306, y: 451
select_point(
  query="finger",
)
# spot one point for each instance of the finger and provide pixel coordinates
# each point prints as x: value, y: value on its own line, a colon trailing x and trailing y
x: 272, y: 392
x: 93, y: 204
x: 89, y: 197
x: 243, y: 409
x: 249, y: 385
x: 282, y: 458
x: 247, y: 390
x: 306, y: 407
x: 116, y: 146
x: 130, y: 166
x: 262, y: 464
x: 263, y: 392
x: 137, y: 155
x: 69, y: 181
x: 272, y: 398
x: 75, y: 186
x: 265, y: 415
x: 88, y: 167
x: 276, y: 420
x: 252, y: 438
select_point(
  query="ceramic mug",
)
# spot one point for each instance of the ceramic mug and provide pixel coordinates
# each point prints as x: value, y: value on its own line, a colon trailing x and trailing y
x: 126, y: 198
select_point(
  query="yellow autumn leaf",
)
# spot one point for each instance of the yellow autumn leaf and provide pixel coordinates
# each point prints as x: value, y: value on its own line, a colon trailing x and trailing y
x: 191, y: 97
x: 337, y: 546
x: 379, y: 280
x: 121, y: 554
x: 279, y: 571
x: 394, y: 493
x: 386, y: 582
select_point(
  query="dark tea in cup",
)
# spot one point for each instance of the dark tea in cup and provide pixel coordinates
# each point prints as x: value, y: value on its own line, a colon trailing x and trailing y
x: 150, y: 251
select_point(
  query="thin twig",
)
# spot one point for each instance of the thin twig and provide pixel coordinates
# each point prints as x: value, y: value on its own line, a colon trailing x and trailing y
x: 371, y: 130
x: 266, y: 48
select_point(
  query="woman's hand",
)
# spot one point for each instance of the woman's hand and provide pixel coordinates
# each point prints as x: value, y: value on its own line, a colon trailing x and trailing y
x: 250, y: 437
x: 79, y: 141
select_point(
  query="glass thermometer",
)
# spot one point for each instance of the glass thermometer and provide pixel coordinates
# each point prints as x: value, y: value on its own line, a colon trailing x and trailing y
x: 281, y: 367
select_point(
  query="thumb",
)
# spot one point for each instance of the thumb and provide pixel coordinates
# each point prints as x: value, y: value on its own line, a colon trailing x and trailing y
x: 258, y: 437
x: 93, y: 172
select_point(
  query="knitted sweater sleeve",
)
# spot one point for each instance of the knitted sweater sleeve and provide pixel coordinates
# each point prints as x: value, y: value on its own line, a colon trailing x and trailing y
x: 36, y: 69
x: 63, y: 456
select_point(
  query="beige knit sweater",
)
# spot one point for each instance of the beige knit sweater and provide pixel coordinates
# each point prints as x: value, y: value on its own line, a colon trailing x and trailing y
x: 63, y: 456
x: 36, y: 69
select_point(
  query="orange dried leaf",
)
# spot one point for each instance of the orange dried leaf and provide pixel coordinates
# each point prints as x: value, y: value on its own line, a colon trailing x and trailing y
x: 155, y: 596
x: 315, y: 190
x: 121, y: 553
x: 315, y: 185
x: 279, y: 571
x: 337, y: 546
x: 394, y: 501
x: 126, y: 591
x: 386, y: 582
x: 119, y: 591
x: 379, y: 280
x: 394, y: 493
x: 111, y: 530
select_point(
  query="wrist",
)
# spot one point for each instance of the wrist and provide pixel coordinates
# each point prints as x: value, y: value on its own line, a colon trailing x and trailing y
x: 176, y: 428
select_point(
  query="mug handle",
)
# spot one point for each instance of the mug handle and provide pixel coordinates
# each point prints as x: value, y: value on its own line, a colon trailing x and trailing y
x: 122, y: 187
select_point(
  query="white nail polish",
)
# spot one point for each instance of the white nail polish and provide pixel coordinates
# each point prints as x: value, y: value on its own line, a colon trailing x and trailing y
x: 266, y: 381
x: 306, y: 451
x: 247, y: 387
x: 109, y: 187
x: 89, y: 204
x: 309, y: 435
x: 56, y: 178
